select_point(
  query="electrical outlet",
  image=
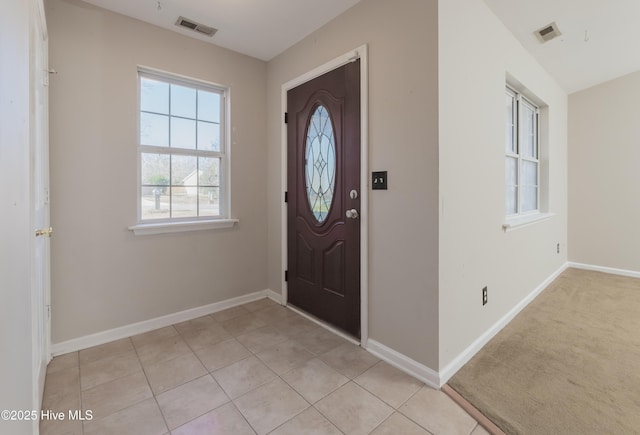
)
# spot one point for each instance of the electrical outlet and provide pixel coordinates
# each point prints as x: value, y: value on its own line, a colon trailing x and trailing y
x: 485, y: 296
x: 558, y: 248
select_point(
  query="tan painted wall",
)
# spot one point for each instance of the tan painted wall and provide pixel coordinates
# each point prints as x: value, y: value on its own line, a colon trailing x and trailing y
x: 604, y: 183
x: 476, y: 53
x: 403, y: 133
x: 15, y: 232
x: 435, y: 236
x: 102, y: 275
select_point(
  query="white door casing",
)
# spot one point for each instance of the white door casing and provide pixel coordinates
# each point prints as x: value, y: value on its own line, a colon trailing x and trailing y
x: 362, y: 54
x: 39, y: 176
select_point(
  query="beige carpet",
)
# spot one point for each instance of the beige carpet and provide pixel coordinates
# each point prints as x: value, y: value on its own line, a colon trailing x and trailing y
x: 569, y: 363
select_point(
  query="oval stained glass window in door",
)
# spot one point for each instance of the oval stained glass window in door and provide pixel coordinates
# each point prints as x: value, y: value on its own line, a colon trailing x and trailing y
x: 320, y: 163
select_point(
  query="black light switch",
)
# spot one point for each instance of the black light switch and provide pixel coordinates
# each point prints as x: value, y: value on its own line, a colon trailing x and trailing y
x: 379, y: 180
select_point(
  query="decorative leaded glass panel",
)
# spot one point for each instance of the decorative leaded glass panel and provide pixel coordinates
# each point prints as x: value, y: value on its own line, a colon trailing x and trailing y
x: 320, y: 163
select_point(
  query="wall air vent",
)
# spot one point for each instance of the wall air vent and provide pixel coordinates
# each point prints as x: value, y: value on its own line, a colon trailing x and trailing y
x: 547, y: 33
x: 196, y: 27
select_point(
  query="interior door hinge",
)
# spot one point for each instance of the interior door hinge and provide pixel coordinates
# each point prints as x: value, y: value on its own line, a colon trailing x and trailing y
x: 286, y: 117
x: 286, y: 197
x: 286, y: 276
x: 48, y: 312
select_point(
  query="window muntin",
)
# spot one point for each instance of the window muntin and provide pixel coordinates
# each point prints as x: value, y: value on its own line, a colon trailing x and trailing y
x: 522, y: 166
x: 182, y: 155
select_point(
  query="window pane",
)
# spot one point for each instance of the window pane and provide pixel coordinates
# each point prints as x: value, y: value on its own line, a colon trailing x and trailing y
x: 184, y: 191
x: 511, y: 171
x: 511, y: 199
x: 209, y: 171
x: 183, y: 133
x: 529, y: 198
x: 510, y: 125
x: 208, y: 136
x: 208, y: 106
x: 154, y: 130
x: 183, y: 101
x: 184, y: 201
x: 528, y: 129
x: 209, y: 198
x: 529, y: 173
x: 511, y: 184
x: 183, y: 171
x: 154, y: 170
x: 154, y: 203
x: 154, y: 96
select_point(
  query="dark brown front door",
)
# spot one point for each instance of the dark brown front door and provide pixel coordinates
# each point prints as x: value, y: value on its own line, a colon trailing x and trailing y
x: 323, y: 236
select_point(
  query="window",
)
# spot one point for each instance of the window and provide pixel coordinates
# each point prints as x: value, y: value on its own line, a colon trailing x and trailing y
x: 522, y: 167
x: 182, y: 149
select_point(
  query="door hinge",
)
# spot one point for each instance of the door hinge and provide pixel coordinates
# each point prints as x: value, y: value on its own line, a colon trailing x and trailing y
x: 286, y: 117
x: 286, y: 276
x: 286, y: 197
x: 48, y: 312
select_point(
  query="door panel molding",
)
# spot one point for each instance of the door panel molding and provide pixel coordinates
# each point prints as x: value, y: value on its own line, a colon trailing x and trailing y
x: 350, y: 56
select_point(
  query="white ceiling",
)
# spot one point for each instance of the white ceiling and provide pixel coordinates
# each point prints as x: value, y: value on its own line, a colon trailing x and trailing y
x: 265, y: 28
x: 258, y: 28
x: 611, y: 48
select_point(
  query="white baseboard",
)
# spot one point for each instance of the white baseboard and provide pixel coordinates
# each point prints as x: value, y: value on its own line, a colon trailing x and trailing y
x: 464, y: 357
x: 103, y: 337
x: 404, y: 363
x: 611, y: 270
x: 275, y: 297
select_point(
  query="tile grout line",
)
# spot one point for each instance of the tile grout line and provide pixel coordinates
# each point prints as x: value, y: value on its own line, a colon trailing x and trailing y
x: 380, y: 398
x: 311, y: 405
x: 326, y: 417
x: 184, y: 383
x: 155, y: 399
x: 411, y: 397
x: 255, y: 355
x: 80, y: 388
x: 210, y: 373
x: 295, y: 416
x: 471, y: 410
x: 281, y: 376
x: 114, y: 379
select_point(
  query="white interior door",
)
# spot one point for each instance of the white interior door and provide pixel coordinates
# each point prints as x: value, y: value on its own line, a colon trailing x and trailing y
x: 40, y: 256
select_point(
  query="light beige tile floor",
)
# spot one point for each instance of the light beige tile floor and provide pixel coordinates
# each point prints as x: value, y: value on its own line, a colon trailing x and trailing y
x: 254, y: 369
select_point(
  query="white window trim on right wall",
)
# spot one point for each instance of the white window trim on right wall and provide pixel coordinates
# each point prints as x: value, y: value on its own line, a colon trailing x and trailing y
x: 519, y: 220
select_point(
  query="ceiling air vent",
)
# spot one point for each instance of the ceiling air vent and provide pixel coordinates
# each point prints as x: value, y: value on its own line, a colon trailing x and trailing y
x: 200, y: 28
x: 547, y: 33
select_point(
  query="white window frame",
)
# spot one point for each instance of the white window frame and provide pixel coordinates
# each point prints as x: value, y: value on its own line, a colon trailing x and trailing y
x: 518, y: 155
x: 167, y: 225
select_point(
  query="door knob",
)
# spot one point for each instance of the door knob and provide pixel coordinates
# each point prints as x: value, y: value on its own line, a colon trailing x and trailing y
x: 46, y: 232
x: 352, y: 214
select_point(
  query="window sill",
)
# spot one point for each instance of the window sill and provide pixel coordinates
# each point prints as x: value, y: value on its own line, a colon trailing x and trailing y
x: 513, y: 223
x: 147, y: 229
